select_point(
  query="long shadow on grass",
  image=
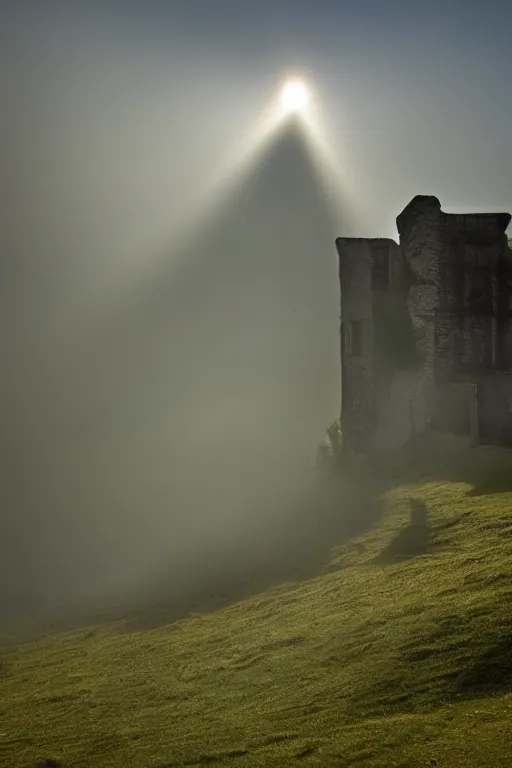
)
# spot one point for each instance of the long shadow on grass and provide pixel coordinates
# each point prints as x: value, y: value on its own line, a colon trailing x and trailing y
x: 411, y: 541
x: 335, y: 509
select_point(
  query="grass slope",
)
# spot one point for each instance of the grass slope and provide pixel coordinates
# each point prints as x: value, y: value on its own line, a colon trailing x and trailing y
x: 399, y: 654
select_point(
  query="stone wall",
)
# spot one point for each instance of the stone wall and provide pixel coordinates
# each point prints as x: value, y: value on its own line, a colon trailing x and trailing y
x: 377, y: 385
x: 495, y: 409
x: 355, y: 271
x: 450, y: 280
x: 424, y: 249
x: 493, y: 395
x: 470, y: 277
x: 504, y: 279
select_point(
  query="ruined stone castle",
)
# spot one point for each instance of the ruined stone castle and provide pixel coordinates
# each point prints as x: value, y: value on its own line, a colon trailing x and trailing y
x: 426, y: 335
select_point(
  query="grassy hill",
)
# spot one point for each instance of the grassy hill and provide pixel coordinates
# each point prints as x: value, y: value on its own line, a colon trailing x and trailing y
x: 396, y: 653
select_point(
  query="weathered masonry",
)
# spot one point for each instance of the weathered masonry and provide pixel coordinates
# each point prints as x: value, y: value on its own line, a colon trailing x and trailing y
x: 426, y: 336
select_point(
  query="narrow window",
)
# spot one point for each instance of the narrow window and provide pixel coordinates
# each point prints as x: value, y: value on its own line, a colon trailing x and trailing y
x: 355, y: 338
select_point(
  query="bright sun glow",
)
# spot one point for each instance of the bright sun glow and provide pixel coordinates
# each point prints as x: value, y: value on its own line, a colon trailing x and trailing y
x: 295, y: 96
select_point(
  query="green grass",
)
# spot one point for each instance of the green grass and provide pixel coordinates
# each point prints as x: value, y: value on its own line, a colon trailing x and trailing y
x: 399, y: 654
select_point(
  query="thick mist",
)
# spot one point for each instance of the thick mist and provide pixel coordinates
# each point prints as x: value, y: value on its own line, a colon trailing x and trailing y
x: 161, y: 395
x: 179, y: 428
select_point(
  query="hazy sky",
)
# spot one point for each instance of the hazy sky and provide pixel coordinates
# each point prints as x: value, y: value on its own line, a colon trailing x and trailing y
x: 114, y: 113
x: 115, y: 117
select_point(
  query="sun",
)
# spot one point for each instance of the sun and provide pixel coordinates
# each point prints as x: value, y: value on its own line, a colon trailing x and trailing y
x: 294, y: 96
